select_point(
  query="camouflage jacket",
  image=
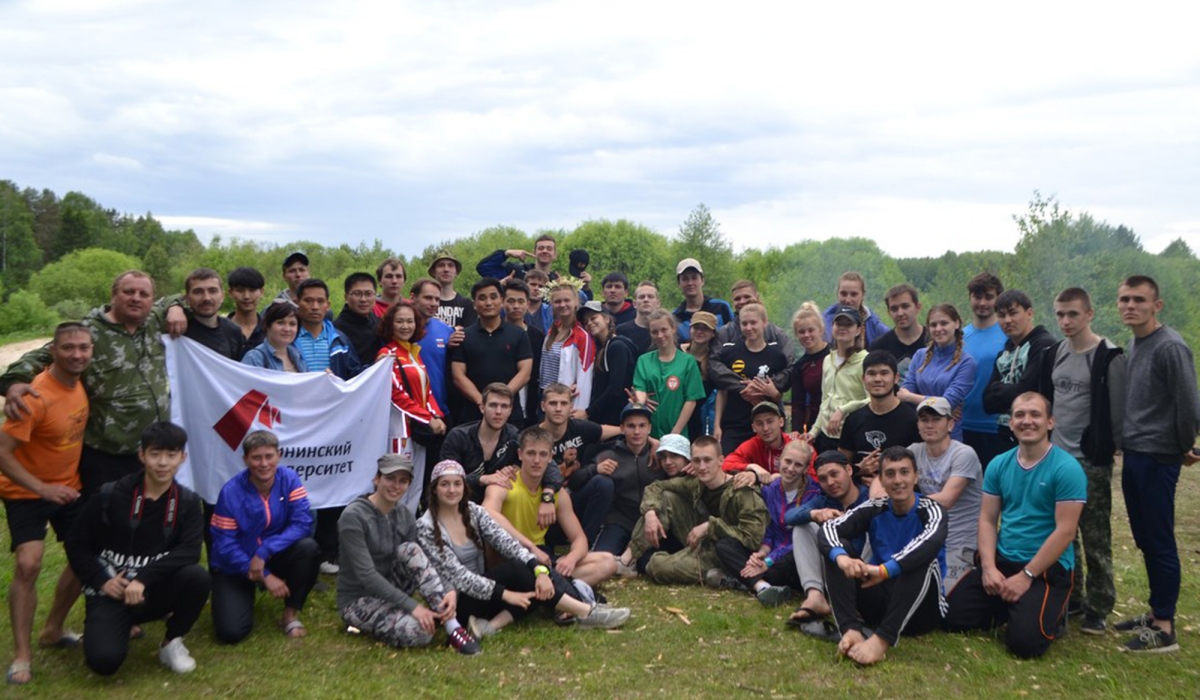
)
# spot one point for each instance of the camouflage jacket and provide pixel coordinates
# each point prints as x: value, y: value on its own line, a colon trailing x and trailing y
x: 743, y: 515
x: 126, y: 382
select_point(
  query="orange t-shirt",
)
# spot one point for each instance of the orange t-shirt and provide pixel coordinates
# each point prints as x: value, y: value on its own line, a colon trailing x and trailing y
x: 51, y: 436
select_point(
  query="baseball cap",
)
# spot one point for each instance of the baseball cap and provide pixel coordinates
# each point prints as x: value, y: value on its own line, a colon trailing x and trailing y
x: 937, y: 404
x: 675, y: 444
x: 688, y: 264
x: 830, y: 457
x: 447, y: 467
x: 592, y: 307
x: 766, y: 407
x: 444, y: 255
x: 294, y: 257
x: 392, y: 462
x: 633, y: 409
x: 848, y: 312
x: 705, y: 318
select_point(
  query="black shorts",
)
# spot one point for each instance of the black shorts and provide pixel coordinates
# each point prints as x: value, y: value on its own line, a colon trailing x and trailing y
x: 27, y: 519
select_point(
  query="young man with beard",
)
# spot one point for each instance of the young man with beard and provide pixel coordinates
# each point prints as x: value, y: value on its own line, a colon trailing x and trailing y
x: 884, y: 422
x: 898, y: 589
x: 206, y: 325
x: 357, y: 319
x: 1018, y: 367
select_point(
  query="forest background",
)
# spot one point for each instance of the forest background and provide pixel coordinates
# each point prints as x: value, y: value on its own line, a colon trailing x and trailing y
x: 59, y: 255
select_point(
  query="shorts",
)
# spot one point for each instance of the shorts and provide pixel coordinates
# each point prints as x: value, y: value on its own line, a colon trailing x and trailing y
x: 27, y: 519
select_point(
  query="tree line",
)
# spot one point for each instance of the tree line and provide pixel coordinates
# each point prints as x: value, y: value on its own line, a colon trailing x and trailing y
x: 59, y: 256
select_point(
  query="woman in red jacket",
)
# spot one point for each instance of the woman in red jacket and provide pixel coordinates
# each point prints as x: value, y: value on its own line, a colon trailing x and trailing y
x: 415, y: 411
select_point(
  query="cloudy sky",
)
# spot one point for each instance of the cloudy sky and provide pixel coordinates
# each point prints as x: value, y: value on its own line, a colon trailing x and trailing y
x: 922, y: 126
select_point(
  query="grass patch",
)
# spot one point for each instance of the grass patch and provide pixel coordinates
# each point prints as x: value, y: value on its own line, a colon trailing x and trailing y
x: 733, y: 647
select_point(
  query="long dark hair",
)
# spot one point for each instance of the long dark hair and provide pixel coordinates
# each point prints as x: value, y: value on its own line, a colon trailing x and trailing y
x: 950, y: 312
x: 464, y: 511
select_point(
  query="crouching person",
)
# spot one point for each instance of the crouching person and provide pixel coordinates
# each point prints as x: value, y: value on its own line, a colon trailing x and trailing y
x: 260, y: 530
x: 382, y: 566
x: 136, y: 548
x: 898, y: 590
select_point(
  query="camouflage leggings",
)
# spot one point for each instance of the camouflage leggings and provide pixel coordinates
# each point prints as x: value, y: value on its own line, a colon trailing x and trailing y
x: 1094, y: 570
x: 383, y: 620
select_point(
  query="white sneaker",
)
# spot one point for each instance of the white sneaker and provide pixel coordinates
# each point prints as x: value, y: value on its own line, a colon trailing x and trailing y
x: 176, y: 657
x: 328, y: 567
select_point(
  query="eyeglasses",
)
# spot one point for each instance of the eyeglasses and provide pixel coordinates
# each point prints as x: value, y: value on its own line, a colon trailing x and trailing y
x: 361, y: 295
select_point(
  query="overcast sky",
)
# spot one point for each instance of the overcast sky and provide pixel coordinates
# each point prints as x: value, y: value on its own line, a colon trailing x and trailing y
x: 922, y: 126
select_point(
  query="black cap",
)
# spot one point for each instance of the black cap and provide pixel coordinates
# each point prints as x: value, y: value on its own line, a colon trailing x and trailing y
x: 578, y: 262
x: 849, y: 312
x: 295, y: 256
x: 830, y: 457
x: 633, y: 409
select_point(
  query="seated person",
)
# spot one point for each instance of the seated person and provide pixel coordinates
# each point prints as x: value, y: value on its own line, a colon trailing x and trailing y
x: 838, y: 495
x: 949, y: 472
x: 260, y: 530
x: 515, y: 506
x: 382, y: 566
x: 756, y: 461
x: 1032, y: 497
x: 574, y: 442
x: 770, y: 570
x: 487, y: 447
x: 683, y: 519
x: 674, y: 457
x: 136, y: 549
x: 454, y: 532
x: 629, y: 465
x: 898, y: 588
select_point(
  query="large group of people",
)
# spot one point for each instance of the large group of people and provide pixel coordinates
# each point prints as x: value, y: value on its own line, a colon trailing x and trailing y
x: 951, y: 472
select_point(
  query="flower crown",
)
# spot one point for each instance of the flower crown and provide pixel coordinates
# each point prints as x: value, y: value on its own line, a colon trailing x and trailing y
x: 562, y: 281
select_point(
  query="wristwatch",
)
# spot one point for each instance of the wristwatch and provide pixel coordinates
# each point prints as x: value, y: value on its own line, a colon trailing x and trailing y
x: 547, y: 497
x: 1028, y: 573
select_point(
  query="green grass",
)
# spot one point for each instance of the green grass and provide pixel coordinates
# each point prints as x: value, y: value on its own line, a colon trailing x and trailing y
x: 733, y: 647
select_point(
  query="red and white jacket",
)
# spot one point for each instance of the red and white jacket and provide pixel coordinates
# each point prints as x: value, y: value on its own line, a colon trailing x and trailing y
x: 576, y: 362
x: 411, y: 394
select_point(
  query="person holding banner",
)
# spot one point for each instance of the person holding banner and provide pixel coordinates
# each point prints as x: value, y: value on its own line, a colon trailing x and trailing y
x: 383, y: 566
x: 415, y: 411
x: 281, y: 321
x: 260, y: 532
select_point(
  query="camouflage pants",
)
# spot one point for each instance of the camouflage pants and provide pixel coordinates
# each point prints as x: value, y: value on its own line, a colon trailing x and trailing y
x: 411, y: 571
x: 1093, y: 583
x: 688, y: 565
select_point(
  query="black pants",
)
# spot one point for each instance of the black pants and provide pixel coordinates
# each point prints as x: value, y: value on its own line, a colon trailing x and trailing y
x: 734, y: 555
x: 988, y: 446
x: 106, y: 627
x: 233, y: 594
x: 514, y: 576
x: 907, y: 604
x: 97, y: 468
x: 1032, y: 621
x: 326, y: 533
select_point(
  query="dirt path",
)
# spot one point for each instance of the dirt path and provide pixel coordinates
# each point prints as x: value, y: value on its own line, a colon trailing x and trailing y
x: 11, y: 353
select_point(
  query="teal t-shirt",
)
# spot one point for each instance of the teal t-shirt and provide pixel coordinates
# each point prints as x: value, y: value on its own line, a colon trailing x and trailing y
x: 1028, y: 498
x: 671, y: 384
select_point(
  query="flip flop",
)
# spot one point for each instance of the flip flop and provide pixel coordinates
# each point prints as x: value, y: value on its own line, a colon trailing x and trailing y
x: 292, y: 627
x: 823, y: 630
x: 68, y: 640
x: 803, y: 616
x: 10, y: 676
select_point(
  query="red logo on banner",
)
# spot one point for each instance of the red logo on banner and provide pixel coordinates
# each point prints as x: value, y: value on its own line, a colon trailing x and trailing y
x: 235, y: 424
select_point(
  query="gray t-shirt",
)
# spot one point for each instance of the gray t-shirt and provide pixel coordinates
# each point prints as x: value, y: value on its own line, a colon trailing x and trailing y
x: 932, y: 475
x: 1072, y: 377
x: 470, y: 555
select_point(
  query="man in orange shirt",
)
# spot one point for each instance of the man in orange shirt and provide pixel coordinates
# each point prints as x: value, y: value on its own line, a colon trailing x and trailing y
x: 39, y: 482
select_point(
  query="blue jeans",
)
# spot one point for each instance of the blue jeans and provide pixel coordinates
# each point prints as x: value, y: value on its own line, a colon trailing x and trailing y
x: 612, y: 539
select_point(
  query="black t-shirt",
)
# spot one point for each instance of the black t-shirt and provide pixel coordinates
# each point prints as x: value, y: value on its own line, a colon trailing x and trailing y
x: 459, y: 311
x: 256, y: 338
x: 891, y: 342
x: 583, y: 435
x: 863, y: 431
x: 747, y: 364
x: 226, y: 339
x: 533, y: 398
x: 491, y: 357
x: 640, y: 336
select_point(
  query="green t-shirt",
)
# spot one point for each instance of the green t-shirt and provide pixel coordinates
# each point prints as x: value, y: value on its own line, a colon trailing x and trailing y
x: 671, y: 384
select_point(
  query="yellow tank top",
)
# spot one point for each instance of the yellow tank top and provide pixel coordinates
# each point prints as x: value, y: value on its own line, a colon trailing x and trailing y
x: 521, y: 509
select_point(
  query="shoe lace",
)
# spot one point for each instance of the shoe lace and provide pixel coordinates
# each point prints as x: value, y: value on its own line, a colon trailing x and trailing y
x: 1149, y: 637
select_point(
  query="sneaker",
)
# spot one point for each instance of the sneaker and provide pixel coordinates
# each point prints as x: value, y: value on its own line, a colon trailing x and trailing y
x: 1135, y: 623
x: 604, y: 618
x: 772, y: 596
x: 1152, y: 640
x: 626, y: 570
x: 175, y: 656
x: 1074, y: 608
x: 1093, y: 625
x: 717, y: 578
x: 480, y: 627
x: 330, y: 568
x: 463, y: 642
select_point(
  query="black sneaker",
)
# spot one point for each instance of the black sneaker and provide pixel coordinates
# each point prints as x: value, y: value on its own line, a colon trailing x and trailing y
x: 1093, y: 625
x: 717, y: 578
x: 1134, y: 623
x: 463, y: 642
x: 1152, y: 640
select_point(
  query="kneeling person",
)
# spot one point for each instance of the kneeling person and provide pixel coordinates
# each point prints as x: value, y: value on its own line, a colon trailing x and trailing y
x: 136, y: 548
x: 260, y: 530
x: 898, y: 589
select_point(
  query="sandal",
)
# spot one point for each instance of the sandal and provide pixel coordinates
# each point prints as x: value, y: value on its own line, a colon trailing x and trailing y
x: 68, y: 640
x: 803, y: 616
x: 293, y: 626
x: 10, y: 677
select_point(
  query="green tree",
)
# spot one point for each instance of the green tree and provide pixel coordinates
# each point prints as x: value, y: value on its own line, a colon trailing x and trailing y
x: 84, y: 275
x: 25, y: 313
x: 700, y: 237
x: 19, y: 253
x: 158, y: 266
x: 47, y: 217
x: 622, y: 246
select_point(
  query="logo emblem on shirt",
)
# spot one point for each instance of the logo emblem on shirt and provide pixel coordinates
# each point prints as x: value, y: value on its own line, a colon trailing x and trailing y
x: 876, y: 438
x: 672, y: 382
x: 739, y: 367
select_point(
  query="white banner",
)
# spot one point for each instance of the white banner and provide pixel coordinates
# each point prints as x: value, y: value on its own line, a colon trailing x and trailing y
x: 330, y: 431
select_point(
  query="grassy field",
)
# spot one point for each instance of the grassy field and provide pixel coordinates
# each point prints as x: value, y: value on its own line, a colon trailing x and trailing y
x: 732, y: 647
